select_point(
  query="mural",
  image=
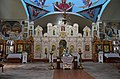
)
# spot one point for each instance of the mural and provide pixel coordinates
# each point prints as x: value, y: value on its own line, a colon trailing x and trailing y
x: 11, y: 29
x: 87, y: 48
x: 63, y: 6
x: 111, y: 29
x: 87, y: 8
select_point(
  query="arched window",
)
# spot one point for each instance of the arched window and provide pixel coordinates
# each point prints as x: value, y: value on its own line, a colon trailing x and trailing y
x: 94, y: 28
x: 53, y: 32
x: 71, y: 32
x: 38, y: 32
x: 46, y: 50
x: 53, y: 48
x: 86, y: 32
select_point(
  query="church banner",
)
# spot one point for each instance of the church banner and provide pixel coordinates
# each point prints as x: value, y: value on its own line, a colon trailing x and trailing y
x: 91, y: 13
x: 35, y: 12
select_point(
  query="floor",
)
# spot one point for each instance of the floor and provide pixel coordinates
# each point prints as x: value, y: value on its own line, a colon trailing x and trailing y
x: 102, y: 70
x: 71, y: 74
x: 41, y: 71
x: 27, y: 71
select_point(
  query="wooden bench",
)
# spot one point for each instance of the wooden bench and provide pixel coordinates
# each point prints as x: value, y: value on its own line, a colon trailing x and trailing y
x: 111, y: 57
x: 1, y: 65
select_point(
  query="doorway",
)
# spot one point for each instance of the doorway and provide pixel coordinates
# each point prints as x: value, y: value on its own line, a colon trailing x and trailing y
x: 62, y: 46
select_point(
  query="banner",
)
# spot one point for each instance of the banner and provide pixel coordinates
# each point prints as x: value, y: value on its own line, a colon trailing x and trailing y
x: 35, y: 12
x: 91, y: 13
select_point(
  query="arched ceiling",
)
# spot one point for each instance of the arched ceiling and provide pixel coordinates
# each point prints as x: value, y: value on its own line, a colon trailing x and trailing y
x: 12, y: 10
x: 111, y: 12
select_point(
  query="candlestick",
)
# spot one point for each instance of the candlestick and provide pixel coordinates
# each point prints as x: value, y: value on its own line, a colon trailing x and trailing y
x: 80, y: 60
x: 51, y: 66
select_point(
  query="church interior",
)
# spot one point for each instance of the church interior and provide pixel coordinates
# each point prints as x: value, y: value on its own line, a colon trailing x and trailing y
x: 59, y: 39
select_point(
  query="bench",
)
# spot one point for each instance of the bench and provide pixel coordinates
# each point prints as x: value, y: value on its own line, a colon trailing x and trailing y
x: 111, y: 57
x: 1, y: 65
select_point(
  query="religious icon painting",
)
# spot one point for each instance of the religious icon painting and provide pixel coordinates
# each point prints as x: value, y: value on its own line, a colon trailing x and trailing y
x: 106, y: 48
x: 28, y: 48
x: 37, y: 48
x: 25, y: 35
x: 30, y: 32
x: 87, y: 48
x: 19, y: 48
x: 71, y: 49
x: 25, y: 29
x: 98, y: 47
x: 62, y: 28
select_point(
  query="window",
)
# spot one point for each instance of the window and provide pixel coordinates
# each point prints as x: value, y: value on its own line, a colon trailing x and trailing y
x: 71, y: 32
x: 53, y: 32
x: 86, y: 32
x: 38, y: 33
x: 94, y: 28
x: 45, y: 50
x: 53, y: 48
